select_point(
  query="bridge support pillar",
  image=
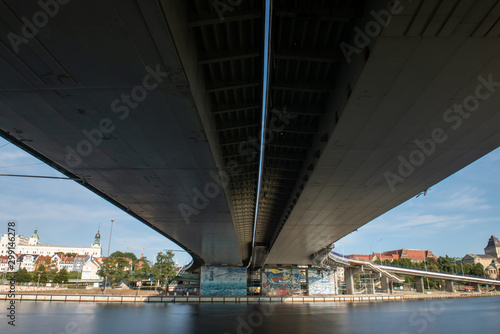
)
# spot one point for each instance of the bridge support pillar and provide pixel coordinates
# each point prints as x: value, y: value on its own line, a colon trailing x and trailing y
x: 477, y: 287
x: 449, y: 286
x: 349, y: 279
x: 370, y: 287
x: 419, y: 282
x: 386, y: 285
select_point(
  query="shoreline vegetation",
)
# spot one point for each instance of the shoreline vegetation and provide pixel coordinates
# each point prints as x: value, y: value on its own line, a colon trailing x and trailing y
x: 133, y: 296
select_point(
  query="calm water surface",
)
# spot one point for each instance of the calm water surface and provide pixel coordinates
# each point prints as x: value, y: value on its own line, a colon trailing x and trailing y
x: 468, y: 315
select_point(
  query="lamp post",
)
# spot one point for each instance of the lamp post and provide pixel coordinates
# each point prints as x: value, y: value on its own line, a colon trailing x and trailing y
x: 425, y: 265
x: 109, y: 245
x: 380, y: 250
x: 38, y: 284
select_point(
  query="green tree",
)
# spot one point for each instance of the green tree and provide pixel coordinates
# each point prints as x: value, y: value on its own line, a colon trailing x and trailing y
x: 446, y: 264
x: 477, y: 270
x: 44, y: 277
x: 117, y: 269
x: 61, y: 276
x: 71, y: 254
x: 23, y: 276
x: 52, y: 274
x: 163, y: 270
x: 130, y: 255
x: 144, y: 268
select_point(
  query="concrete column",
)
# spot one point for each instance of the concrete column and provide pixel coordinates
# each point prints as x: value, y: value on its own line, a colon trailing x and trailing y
x: 450, y: 286
x: 477, y: 287
x: 349, y: 280
x: 370, y: 287
x: 419, y: 281
x: 487, y: 287
x: 386, y: 285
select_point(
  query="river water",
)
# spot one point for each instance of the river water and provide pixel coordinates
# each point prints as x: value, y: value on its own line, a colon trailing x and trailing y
x: 465, y: 315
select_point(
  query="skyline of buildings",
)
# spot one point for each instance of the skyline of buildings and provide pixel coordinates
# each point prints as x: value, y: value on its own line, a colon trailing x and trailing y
x: 30, y: 253
x: 33, y: 246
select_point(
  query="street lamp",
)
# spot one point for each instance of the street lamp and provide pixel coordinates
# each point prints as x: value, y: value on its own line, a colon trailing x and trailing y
x: 380, y: 250
x: 428, y: 286
x: 38, y: 284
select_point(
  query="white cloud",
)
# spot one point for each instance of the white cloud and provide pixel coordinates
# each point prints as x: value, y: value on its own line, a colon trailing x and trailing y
x: 467, y: 199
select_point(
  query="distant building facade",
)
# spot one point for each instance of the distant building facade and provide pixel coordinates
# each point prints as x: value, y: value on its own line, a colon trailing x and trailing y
x: 33, y: 246
x: 413, y: 254
x: 30, y: 254
x: 490, y: 260
x: 90, y: 269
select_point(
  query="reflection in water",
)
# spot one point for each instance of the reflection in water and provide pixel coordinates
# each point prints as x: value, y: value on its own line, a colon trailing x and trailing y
x: 471, y: 315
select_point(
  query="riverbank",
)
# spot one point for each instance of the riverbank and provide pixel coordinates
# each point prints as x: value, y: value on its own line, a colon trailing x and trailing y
x: 101, y: 298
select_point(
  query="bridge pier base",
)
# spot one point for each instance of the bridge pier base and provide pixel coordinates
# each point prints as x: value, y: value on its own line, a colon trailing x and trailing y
x: 387, y: 286
x: 449, y: 286
x: 349, y: 279
x: 370, y: 287
x: 477, y: 287
x: 419, y: 282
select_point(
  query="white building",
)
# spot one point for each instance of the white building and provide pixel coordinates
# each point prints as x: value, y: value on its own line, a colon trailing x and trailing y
x: 33, y: 246
x: 90, y: 269
x: 26, y: 261
x: 4, y: 264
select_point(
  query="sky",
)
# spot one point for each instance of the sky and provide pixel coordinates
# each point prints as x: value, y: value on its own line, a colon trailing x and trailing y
x: 456, y: 217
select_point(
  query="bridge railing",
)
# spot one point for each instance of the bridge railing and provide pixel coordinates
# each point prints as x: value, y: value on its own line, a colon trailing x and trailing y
x: 439, y: 272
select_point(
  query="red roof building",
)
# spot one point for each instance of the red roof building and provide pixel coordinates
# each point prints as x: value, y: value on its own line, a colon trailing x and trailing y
x: 413, y: 254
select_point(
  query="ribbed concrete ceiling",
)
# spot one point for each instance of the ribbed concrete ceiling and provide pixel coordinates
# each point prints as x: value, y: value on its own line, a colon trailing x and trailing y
x: 334, y: 126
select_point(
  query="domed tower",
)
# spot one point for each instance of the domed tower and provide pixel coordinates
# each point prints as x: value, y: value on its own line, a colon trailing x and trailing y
x: 493, y: 247
x: 34, y: 239
x: 97, y: 240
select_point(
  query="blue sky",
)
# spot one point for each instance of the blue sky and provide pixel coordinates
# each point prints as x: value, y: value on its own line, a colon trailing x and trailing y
x: 456, y: 217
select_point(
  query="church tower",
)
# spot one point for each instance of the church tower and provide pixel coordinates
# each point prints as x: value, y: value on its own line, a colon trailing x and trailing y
x: 493, y: 247
x: 97, y: 240
x: 34, y: 239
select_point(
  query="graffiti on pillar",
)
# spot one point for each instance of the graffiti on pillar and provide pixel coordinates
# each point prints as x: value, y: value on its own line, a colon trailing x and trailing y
x: 321, y: 282
x: 282, y: 282
x: 223, y: 281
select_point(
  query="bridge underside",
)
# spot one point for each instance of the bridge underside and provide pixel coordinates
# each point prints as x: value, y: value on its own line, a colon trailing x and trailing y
x: 146, y: 102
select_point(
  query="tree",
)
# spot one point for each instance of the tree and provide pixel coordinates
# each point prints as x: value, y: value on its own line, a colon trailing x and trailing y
x: 477, y: 270
x: 115, y: 268
x: 446, y: 264
x: 71, y: 254
x: 44, y: 276
x: 61, y: 276
x: 163, y: 270
x: 142, y: 268
x: 23, y: 276
x: 130, y: 255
